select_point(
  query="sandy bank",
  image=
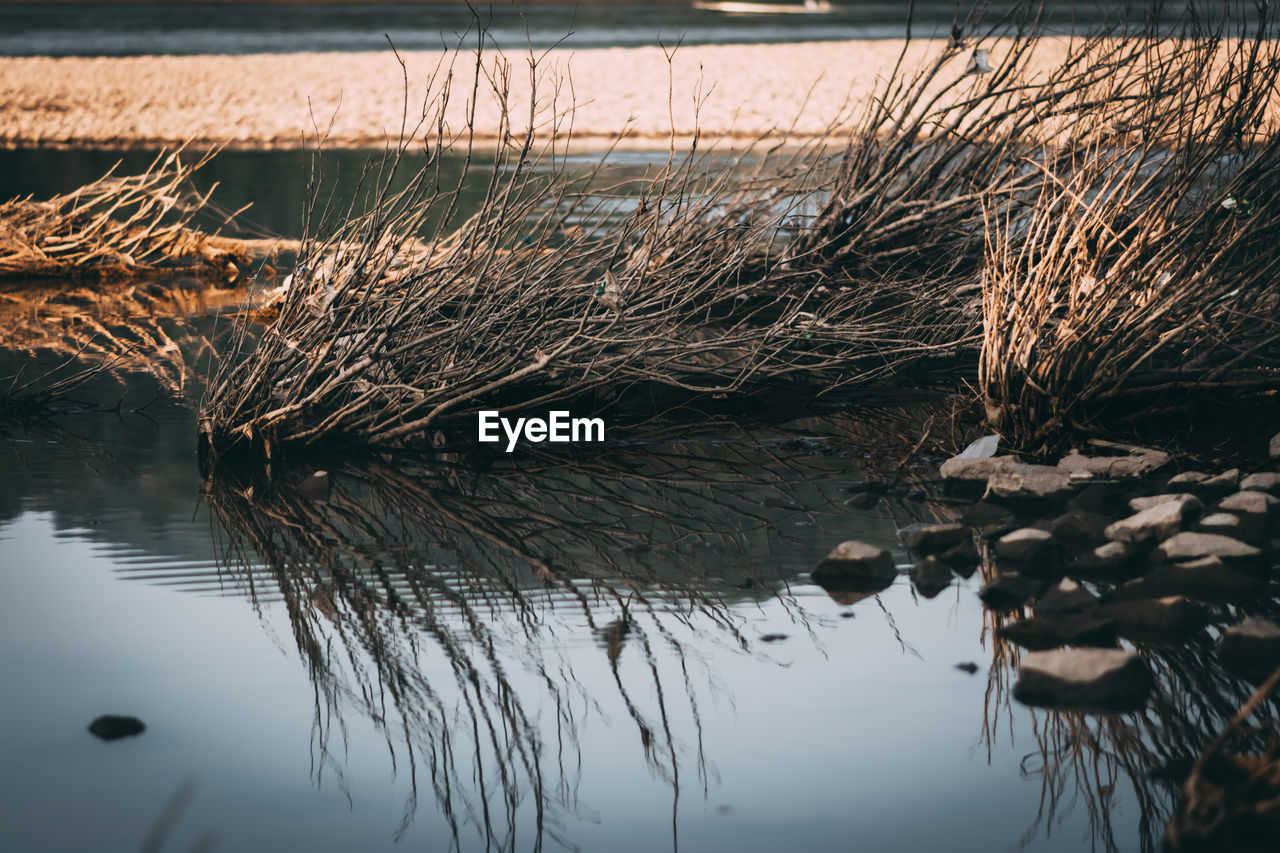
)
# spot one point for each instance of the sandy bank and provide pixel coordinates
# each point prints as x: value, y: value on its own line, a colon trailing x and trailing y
x: 273, y: 100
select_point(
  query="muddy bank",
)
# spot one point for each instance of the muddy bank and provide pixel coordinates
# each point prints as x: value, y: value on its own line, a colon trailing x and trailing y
x: 275, y: 100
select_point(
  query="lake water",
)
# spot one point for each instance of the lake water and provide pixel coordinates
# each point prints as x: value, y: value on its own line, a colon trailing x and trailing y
x: 617, y: 648
x: 124, y: 29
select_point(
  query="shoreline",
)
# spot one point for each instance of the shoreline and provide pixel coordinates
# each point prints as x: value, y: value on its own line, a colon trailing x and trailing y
x: 281, y: 101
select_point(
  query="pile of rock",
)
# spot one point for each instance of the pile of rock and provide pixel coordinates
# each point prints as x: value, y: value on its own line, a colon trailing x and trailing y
x: 1106, y: 544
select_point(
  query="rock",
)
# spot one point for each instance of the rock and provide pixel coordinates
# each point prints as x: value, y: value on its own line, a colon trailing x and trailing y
x: 863, y: 500
x: 1079, y: 527
x: 1207, y: 579
x: 856, y: 570
x: 1049, y: 632
x: 933, y: 538
x: 315, y: 487
x: 1026, y: 543
x: 1170, y: 614
x: 1256, y: 504
x: 974, y: 462
x: 963, y: 558
x: 931, y: 576
x: 1274, y: 448
x: 1191, y: 545
x: 113, y: 727
x: 1188, y: 478
x: 1266, y: 482
x: 1020, y: 481
x: 1226, y: 524
x: 1189, y: 501
x: 1067, y: 596
x: 1008, y: 591
x: 1097, y: 498
x: 1139, y: 462
x: 1157, y: 522
x: 1106, y: 560
x: 983, y: 514
x: 1108, y: 680
x: 1227, y: 481
x: 1252, y: 641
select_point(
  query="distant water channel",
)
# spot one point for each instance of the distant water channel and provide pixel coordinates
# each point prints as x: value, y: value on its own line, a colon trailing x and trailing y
x: 129, y: 29
x: 618, y: 649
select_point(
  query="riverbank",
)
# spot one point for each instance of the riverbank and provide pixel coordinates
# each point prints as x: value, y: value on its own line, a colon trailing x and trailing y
x: 277, y: 100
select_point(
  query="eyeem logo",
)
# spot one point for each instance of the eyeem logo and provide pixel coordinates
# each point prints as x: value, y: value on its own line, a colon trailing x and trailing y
x: 558, y: 427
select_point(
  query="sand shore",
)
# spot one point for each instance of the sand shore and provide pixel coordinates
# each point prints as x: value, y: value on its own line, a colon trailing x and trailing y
x: 275, y: 100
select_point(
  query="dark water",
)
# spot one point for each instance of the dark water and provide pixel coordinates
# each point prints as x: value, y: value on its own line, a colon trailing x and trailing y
x: 124, y: 29
x: 535, y: 651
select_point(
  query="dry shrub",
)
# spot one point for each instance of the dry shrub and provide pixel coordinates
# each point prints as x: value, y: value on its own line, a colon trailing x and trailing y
x: 1143, y: 278
x: 123, y: 226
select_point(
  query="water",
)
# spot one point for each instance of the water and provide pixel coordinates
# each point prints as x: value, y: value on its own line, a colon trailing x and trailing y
x: 535, y: 651
x: 126, y: 29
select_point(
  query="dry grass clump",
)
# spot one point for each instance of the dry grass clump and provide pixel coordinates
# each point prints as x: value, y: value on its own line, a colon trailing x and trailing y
x: 122, y: 226
x: 1143, y: 279
x: 406, y: 316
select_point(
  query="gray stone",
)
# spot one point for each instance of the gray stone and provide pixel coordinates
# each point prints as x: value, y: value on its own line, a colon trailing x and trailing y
x: 1008, y: 591
x: 1079, y: 527
x: 1227, y: 481
x: 983, y: 514
x: 1188, y: 501
x: 1254, y: 640
x: 1084, y: 680
x: 1157, y: 522
x: 975, y: 462
x: 1018, y: 480
x: 114, y: 727
x: 931, y: 576
x: 1026, y: 543
x: 1265, y: 482
x: 1051, y: 631
x: 1224, y: 524
x: 1108, y: 559
x: 1067, y: 596
x: 1207, y: 578
x: 1191, y: 545
x: 1250, y: 503
x: 933, y: 538
x: 1168, y: 614
x: 1188, y: 478
x: 1274, y: 448
x: 856, y: 567
x: 963, y: 558
x: 1138, y: 462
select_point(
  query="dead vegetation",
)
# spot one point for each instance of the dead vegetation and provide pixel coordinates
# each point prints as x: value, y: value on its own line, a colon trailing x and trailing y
x: 1107, y: 215
x: 124, y: 227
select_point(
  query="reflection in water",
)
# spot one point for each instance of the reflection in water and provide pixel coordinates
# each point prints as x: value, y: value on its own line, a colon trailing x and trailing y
x: 388, y: 562
x: 1082, y: 759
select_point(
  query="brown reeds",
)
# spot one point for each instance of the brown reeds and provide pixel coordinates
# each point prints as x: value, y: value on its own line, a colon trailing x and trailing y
x: 1143, y: 279
x: 124, y: 226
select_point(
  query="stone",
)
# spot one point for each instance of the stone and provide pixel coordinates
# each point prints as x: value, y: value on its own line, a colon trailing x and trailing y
x: 963, y: 558
x: 1226, y: 524
x: 1008, y: 591
x: 1025, y: 543
x: 933, y: 538
x: 1227, y: 481
x: 983, y: 514
x: 931, y: 576
x: 1173, y: 613
x: 1265, y: 482
x: 1157, y: 522
x: 1188, y: 478
x: 1049, y: 632
x: 1079, y: 527
x: 113, y: 727
x: 975, y: 462
x: 855, y: 568
x: 1107, y: 680
x: 862, y: 500
x: 1250, y: 503
x: 1067, y: 596
x: 315, y: 487
x: 1109, y: 559
x: 1274, y: 448
x: 1138, y: 462
x: 1206, y: 579
x: 1189, y: 501
x: 1191, y: 545
x: 1020, y: 481
x: 1254, y: 640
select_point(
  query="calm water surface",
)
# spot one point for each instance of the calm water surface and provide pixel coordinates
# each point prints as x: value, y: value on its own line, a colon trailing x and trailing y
x: 613, y: 649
